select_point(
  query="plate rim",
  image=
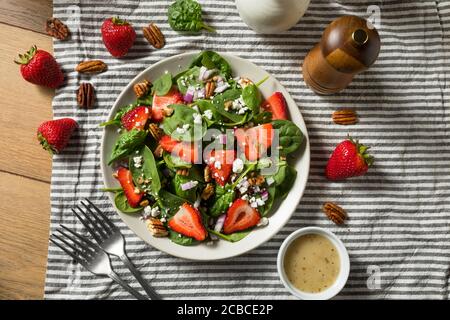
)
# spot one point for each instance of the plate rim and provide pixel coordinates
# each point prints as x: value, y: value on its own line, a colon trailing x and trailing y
x: 103, y: 166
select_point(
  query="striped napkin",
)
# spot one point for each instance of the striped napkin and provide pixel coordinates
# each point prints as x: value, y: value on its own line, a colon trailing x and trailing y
x: 398, y: 234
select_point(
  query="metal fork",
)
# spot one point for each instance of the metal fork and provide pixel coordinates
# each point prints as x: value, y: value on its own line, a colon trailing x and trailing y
x: 110, y: 239
x: 90, y: 256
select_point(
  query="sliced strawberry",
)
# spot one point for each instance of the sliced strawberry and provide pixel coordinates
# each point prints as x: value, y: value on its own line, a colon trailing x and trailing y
x: 186, y: 151
x: 221, y: 164
x: 188, y: 222
x: 255, y: 141
x: 240, y: 216
x: 276, y: 104
x: 160, y: 103
x: 126, y: 181
x: 136, y: 118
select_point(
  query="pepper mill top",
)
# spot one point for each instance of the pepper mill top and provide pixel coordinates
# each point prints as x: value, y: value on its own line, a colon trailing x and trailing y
x: 349, y: 45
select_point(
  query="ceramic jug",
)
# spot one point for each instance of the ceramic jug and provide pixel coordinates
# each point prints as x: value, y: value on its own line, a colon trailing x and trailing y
x: 271, y: 16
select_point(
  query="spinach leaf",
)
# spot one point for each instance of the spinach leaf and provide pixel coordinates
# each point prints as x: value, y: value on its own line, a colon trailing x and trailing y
x: 145, y: 101
x: 291, y: 137
x: 212, y: 60
x: 186, y: 15
x: 174, y: 162
x: 170, y: 202
x: 224, y: 196
x: 189, y: 78
x: 252, y: 98
x: 233, y: 237
x: 180, y: 239
x: 147, y: 171
x: 127, y: 143
x: 204, y: 105
x: 269, y: 203
x: 163, y: 84
x: 121, y: 202
x: 283, y: 189
x: 183, y: 115
x: 191, y: 194
x: 219, y: 103
x: 262, y: 117
x: 118, y: 116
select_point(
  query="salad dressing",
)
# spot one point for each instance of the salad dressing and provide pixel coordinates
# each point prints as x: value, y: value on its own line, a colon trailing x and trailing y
x: 312, y: 263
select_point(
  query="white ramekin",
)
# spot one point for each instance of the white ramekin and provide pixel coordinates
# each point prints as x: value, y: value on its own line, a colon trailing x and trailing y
x: 344, y: 268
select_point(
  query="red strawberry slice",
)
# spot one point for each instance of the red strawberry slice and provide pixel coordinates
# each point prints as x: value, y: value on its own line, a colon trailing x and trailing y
x: 221, y: 164
x: 160, y: 103
x: 276, y: 104
x: 188, y: 222
x: 255, y: 141
x: 349, y: 159
x: 126, y: 181
x: 240, y: 216
x: 186, y: 151
x: 54, y: 135
x: 136, y: 118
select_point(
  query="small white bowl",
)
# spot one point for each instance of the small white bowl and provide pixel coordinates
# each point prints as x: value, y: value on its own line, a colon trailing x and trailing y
x: 343, y: 257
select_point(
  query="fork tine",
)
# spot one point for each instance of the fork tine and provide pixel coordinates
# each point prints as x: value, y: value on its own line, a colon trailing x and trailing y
x: 75, y: 251
x: 70, y: 253
x: 108, y: 221
x: 79, y: 240
x: 90, y: 225
x: 92, y: 219
x: 87, y: 226
x: 102, y: 224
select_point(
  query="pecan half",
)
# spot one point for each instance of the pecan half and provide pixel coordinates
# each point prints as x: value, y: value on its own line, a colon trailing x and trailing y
x: 158, y: 152
x: 334, y: 212
x: 144, y: 203
x: 91, y: 66
x: 55, y: 28
x: 208, y: 191
x: 207, y: 174
x: 86, y: 95
x: 154, y: 36
x: 243, y: 82
x: 141, y: 88
x: 345, y: 116
x: 183, y: 172
x: 156, y: 227
x: 256, y: 181
x: 155, y: 131
x: 210, y: 86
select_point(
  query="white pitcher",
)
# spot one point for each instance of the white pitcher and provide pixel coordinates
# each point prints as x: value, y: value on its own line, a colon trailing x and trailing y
x: 271, y: 16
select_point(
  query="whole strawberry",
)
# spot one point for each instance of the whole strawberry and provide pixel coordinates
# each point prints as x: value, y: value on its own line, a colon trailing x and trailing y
x: 39, y: 67
x: 349, y: 159
x: 118, y: 36
x: 55, y: 134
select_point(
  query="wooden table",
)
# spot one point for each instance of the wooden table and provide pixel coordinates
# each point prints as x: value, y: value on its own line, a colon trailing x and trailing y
x: 25, y: 168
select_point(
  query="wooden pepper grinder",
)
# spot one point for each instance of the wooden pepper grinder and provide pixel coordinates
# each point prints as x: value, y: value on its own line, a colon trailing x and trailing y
x: 347, y: 47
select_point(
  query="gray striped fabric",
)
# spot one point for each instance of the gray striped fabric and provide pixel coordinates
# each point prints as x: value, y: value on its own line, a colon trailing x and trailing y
x: 399, y: 212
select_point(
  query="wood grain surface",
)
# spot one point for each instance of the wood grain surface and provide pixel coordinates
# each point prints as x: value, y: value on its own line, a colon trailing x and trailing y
x: 25, y: 168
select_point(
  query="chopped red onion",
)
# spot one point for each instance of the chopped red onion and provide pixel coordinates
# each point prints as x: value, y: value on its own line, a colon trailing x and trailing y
x: 219, y: 223
x: 189, y: 96
x: 201, y: 75
x: 265, y: 195
x: 208, y: 73
x: 188, y: 185
x: 222, y: 87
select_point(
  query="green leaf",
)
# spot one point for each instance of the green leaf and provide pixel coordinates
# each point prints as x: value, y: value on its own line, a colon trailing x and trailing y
x: 174, y: 162
x: 189, y: 78
x: 163, y: 84
x: 262, y: 117
x: 284, y: 188
x: 224, y: 196
x: 180, y: 239
x: 183, y: 115
x: 219, y: 103
x: 191, y: 194
x: 147, y: 171
x: 170, y: 202
x: 127, y: 143
x: 212, y: 60
x: 121, y: 202
x: 252, y: 98
x: 269, y: 203
x: 233, y: 237
x: 291, y: 137
x: 186, y: 15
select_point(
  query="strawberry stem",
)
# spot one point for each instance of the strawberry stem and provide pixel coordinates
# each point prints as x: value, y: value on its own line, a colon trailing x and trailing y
x: 26, y: 57
x: 47, y: 146
x: 362, y: 149
x: 119, y: 22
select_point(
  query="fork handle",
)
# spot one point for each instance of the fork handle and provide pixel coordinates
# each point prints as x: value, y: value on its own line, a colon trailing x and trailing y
x: 151, y: 293
x: 131, y: 290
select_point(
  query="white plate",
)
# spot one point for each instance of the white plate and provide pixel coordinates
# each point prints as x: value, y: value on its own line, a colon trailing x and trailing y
x: 222, y: 249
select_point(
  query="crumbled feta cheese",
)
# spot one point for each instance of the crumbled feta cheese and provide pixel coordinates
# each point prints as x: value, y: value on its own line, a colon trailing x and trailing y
x: 147, y: 210
x: 253, y: 204
x: 197, y: 118
x: 212, y: 159
x: 186, y: 126
x: 136, y: 190
x: 244, y: 197
x: 270, y: 181
x: 217, y: 165
x: 238, y: 165
x: 155, y: 212
x: 180, y: 130
x: 163, y: 219
x: 260, y: 202
x: 137, y: 161
x: 263, y: 222
x: 196, y: 108
x: 208, y: 114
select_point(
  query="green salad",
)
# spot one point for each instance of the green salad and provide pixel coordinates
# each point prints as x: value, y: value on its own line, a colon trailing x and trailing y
x: 202, y: 155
